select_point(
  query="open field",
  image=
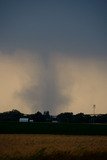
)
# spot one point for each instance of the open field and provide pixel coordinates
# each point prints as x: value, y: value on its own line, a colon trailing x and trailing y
x: 53, y: 128
x: 52, y: 147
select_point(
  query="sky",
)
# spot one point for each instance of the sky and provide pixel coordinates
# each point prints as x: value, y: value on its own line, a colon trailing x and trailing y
x: 53, y: 55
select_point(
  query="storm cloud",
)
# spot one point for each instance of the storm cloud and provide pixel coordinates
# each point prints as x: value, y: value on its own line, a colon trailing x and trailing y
x: 58, y: 84
x: 53, y: 55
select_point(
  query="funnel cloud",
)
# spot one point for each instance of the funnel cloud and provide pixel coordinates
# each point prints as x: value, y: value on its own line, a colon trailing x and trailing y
x: 58, y: 84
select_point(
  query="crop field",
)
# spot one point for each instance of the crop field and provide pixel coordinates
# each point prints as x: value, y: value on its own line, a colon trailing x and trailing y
x: 52, y: 147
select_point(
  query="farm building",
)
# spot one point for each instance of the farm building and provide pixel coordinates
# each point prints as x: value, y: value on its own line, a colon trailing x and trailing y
x: 24, y: 119
x: 54, y: 119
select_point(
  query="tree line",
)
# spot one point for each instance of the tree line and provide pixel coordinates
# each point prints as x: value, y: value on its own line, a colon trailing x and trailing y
x: 69, y: 117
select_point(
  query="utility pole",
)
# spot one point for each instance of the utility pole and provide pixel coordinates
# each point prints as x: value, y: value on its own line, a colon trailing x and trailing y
x: 94, y: 107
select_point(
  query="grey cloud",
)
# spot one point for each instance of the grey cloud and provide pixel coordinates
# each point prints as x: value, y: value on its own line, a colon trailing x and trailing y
x: 58, y: 83
x: 46, y: 94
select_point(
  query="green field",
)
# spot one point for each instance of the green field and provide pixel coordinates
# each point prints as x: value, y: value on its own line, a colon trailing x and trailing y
x: 53, y: 128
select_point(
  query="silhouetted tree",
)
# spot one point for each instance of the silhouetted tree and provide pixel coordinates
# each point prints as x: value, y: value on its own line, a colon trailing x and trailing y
x: 47, y: 116
x: 65, y: 117
x: 13, y: 115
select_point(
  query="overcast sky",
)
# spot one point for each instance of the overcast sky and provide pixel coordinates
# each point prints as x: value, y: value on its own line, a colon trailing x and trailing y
x: 53, y: 55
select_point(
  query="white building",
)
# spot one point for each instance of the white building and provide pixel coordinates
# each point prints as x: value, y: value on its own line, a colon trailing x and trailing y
x: 31, y: 120
x: 24, y: 119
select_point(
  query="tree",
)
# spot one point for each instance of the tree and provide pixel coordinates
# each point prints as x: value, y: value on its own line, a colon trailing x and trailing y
x: 47, y: 116
x: 13, y: 115
x: 65, y: 117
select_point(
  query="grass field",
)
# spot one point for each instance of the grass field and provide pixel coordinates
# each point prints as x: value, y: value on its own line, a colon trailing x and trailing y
x: 52, y: 147
x: 53, y: 128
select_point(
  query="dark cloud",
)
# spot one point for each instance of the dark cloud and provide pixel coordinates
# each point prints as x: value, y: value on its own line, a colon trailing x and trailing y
x: 68, y: 27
